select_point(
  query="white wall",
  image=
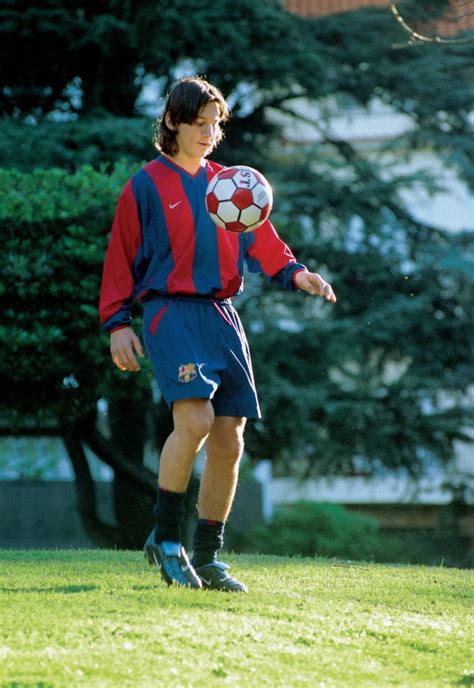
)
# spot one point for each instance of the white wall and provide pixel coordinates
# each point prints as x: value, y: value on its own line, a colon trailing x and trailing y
x: 451, y: 209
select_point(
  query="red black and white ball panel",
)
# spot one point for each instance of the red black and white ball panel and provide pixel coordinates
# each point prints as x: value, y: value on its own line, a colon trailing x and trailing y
x: 239, y: 198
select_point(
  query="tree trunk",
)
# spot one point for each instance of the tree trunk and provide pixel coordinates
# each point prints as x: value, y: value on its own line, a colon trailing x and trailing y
x: 102, y: 534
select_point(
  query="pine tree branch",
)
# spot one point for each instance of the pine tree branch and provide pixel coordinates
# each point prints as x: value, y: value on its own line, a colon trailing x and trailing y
x: 365, y: 169
x: 415, y: 36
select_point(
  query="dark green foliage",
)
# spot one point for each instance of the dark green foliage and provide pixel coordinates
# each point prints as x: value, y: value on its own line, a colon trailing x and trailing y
x: 310, y: 529
x: 383, y: 374
x: 314, y: 529
x: 96, y: 141
x: 100, y: 55
x: 54, y: 228
x: 45, y: 47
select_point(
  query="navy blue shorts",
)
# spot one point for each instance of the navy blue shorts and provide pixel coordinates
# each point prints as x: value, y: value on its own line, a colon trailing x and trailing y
x: 198, y: 349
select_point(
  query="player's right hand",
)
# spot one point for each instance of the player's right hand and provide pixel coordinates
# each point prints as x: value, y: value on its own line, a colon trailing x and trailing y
x: 122, y: 345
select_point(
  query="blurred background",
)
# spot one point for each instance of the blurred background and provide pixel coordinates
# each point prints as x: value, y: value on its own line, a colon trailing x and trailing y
x: 360, y: 115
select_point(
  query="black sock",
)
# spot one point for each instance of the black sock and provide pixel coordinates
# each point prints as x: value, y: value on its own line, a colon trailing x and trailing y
x: 169, y: 513
x: 208, y: 540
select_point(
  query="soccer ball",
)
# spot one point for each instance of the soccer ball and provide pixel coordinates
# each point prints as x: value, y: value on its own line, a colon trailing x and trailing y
x: 239, y: 199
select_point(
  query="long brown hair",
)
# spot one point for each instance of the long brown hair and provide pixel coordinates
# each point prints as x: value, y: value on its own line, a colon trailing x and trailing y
x: 184, y: 104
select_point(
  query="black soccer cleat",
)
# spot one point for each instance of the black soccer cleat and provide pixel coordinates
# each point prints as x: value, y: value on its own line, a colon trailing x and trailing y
x: 172, y: 561
x: 214, y: 576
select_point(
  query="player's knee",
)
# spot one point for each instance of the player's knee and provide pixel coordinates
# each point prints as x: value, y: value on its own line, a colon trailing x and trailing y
x: 226, y: 442
x: 194, y: 416
x: 233, y: 449
x: 200, y: 425
x: 238, y: 446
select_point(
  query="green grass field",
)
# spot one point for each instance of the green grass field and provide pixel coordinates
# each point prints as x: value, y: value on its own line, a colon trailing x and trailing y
x: 104, y: 618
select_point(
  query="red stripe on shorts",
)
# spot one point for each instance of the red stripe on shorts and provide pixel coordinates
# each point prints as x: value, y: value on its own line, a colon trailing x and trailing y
x: 156, y: 320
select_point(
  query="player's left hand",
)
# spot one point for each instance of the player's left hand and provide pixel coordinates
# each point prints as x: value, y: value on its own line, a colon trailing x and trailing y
x: 314, y: 284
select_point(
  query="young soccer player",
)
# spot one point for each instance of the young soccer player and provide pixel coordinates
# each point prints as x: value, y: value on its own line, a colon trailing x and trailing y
x: 165, y: 251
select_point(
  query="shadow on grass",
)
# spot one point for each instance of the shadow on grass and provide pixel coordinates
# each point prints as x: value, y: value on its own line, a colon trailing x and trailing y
x: 15, y: 684
x: 62, y: 589
x: 466, y: 680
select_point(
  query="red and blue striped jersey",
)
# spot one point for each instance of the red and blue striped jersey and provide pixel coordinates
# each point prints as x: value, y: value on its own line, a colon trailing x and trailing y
x: 163, y: 240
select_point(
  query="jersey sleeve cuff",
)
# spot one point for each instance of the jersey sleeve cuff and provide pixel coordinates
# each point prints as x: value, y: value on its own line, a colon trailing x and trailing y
x: 117, y: 328
x: 117, y: 322
x: 285, y: 277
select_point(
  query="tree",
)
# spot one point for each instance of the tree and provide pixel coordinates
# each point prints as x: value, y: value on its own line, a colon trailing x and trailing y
x: 387, y: 380
x: 64, y: 48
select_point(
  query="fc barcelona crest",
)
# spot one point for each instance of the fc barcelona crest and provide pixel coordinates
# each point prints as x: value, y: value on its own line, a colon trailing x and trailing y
x: 187, y: 372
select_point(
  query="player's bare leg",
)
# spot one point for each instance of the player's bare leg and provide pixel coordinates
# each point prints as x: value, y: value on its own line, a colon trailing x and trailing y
x: 193, y: 420
x: 224, y: 449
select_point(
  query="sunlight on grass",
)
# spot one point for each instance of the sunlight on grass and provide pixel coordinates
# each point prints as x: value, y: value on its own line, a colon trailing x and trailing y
x: 102, y: 618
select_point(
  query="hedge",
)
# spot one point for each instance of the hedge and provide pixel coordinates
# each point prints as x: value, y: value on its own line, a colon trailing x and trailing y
x: 55, y: 228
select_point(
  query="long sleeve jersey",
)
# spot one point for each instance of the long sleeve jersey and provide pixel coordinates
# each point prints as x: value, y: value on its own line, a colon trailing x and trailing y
x: 163, y: 240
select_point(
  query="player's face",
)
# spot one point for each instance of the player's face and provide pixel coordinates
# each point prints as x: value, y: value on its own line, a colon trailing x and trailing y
x: 197, y: 140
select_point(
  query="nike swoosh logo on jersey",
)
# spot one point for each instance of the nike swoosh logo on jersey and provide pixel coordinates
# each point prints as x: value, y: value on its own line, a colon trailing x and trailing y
x: 173, y: 205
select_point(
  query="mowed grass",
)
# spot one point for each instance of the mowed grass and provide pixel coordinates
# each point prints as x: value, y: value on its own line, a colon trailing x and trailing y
x: 104, y: 618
